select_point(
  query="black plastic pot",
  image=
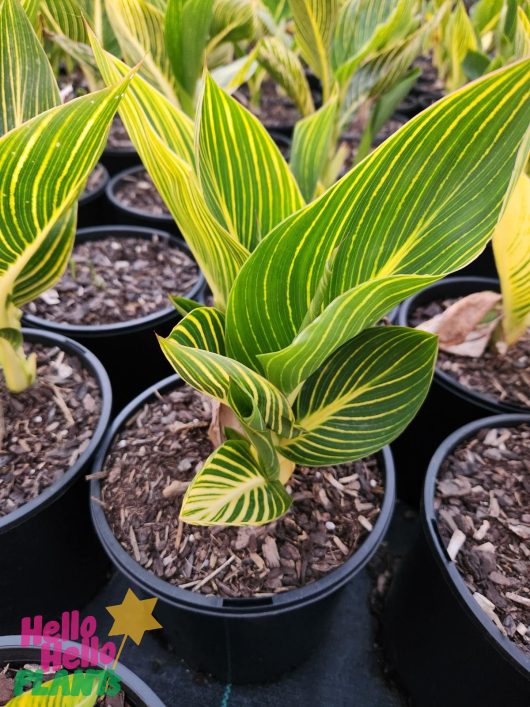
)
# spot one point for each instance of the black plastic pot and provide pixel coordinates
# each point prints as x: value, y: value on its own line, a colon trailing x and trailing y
x: 239, y: 640
x: 49, y: 556
x: 136, y: 691
x: 448, y: 404
x: 446, y: 651
x: 93, y: 207
x: 124, y: 214
x: 128, y: 350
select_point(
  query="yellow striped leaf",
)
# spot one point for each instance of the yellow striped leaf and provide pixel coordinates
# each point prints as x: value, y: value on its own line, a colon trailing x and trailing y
x: 27, y: 84
x: 246, y: 181
x: 196, y: 350
x: 233, y: 20
x: 460, y: 39
x: 363, y: 397
x: 65, y: 17
x: 315, y: 21
x: 187, y: 29
x: 286, y: 69
x: 139, y: 29
x: 424, y: 203
x: 511, y: 246
x: 231, y: 489
x: 162, y: 134
x: 312, y: 144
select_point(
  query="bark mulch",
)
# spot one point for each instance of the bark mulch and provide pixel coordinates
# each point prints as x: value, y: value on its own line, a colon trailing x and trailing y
x: 115, y: 279
x: 45, y: 429
x: 137, y: 191
x: 483, y: 512
x: 148, y: 469
x: 502, y: 377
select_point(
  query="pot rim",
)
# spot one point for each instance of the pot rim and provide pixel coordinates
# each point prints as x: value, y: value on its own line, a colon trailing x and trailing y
x: 133, y: 686
x: 448, y: 567
x: 111, y: 196
x: 93, y: 195
x: 59, y: 487
x: 131, y: 325
x: 489, y: 404
x: 218, y: 606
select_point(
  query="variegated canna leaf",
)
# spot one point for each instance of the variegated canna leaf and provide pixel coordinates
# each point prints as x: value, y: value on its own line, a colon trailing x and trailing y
x: 363, y: 397
x: 315, y: 22
x: 424, y: 203
x: 187, y: 30
x: 245, y: 179
x: 162, y: 135
x: 511, y: 246
x: 232, y: 489
x: 312, y: 144
x: 139, y: 29
x: 65, y: 17
x: 286, y: 69
x: 58, y: 692
x: 196, y: 350
x: 233, y: 20
x: 460, y: 38
x: 28, y: 86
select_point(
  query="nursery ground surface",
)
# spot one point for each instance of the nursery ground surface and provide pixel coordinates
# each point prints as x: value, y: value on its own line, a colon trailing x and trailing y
x: 45, y: 429
x: 345, y: 671
x: 483, y: 502
x: 502, y: 377
x: 137, y: 191
x: 117, y: 279
x: 148, y: 472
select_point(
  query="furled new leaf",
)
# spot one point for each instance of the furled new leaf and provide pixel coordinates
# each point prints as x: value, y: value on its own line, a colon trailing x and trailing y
x: 511, y: 246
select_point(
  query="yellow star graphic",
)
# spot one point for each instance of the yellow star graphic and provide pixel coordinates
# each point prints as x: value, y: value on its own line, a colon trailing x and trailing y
x: 133, y: 617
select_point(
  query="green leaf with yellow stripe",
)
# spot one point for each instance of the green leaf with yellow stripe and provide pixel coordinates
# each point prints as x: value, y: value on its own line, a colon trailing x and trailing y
x: 363, y: 397
x: 286, y: 69
x: 232, y: 489
x: 245, y: 179
x: 196, y: 350
x: 162, y: 134
x: 511, y: 247
x: 424, y: 203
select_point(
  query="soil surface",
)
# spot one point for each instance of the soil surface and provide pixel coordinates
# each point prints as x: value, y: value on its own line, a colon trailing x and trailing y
x: 45, y: 429
x: 501, y: 377
x: 147, y: 471
x: 427, y: 90
x: 96, y: 180
x: 276, y: 110
x: 483, y: 511
x: 137, y: 191
x: 7, y: 686
x: 116, y: 280
x: 118, y: 137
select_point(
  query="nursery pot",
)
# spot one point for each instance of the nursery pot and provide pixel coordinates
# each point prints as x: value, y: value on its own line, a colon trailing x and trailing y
x: 118, y: 160
x: 49, y: 556
x: 239, y: 640
x: 446, y: 651
x: 136, y: 691
x: 125, y: 214
x: 128, y: 350
x: 93, y: 207
x: 448, y: 404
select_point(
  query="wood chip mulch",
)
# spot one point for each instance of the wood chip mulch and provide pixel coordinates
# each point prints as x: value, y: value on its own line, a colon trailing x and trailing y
x: 137, y: 191
x: 45, y: 429
x: 117, y: 279
x: 148, y: 469
x: 7, y: 685
x: 483, y: 512
x: 502, y: 377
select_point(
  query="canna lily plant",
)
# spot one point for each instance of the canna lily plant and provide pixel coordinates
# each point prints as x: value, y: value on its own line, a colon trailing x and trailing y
x: 291, y: 350
x: 47, y: 152
x: 362, y: 51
